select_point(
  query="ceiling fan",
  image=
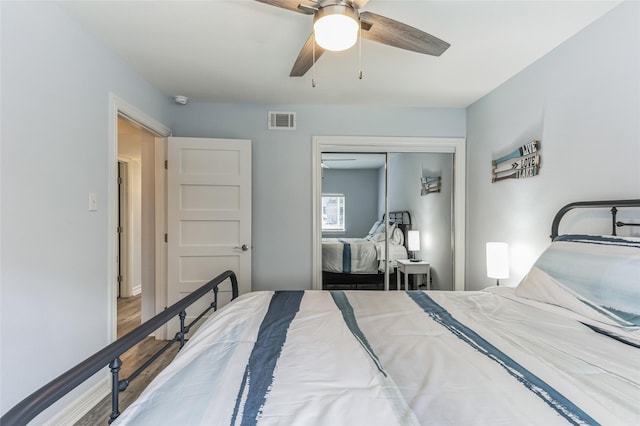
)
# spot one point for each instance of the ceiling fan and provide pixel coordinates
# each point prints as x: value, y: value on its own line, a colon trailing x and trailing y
x: 337, y: 24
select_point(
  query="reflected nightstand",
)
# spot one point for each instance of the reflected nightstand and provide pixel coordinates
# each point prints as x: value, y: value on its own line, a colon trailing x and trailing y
x: 408, y: 267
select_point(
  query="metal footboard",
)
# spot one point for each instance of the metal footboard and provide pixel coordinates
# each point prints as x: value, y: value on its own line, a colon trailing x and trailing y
x: 37, y: 402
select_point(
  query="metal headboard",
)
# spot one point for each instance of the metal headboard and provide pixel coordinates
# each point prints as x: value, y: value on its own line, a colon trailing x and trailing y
x: 402, y: 217
x: 613, y: 204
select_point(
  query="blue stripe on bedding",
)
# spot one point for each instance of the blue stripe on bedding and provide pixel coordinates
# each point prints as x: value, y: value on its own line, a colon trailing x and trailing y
x: 346, y: 257
x: 258, y: 375
x: 552, y: 397
x: 346, y: 309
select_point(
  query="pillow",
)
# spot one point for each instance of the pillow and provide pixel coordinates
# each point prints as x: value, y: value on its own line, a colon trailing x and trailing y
x: 374, y: 229
x: 397, y: 237
x: 597, y: 277
x: 380, y: 235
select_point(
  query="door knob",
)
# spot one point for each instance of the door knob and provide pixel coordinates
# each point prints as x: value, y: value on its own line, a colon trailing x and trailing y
x: 243, y: 248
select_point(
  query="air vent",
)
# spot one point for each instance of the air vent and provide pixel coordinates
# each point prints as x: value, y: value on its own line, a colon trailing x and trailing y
x: 282, y: 120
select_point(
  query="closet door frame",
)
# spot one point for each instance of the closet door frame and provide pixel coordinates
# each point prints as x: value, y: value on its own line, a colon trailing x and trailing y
x: 386, y: 144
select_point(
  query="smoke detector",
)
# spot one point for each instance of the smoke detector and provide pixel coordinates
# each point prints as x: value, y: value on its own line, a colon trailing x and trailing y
x: 182, y: 100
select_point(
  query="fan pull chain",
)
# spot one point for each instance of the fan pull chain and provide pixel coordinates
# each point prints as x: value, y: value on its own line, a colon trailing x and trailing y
x: 313, y: 64
x: 360, y: 49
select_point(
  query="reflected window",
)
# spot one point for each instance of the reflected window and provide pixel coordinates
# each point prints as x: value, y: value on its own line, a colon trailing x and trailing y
x: 333, y: 212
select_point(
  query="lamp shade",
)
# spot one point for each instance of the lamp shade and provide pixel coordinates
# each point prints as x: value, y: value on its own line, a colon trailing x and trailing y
x: 497, y: 260
x: 413, y: 240
x: 336, y: 27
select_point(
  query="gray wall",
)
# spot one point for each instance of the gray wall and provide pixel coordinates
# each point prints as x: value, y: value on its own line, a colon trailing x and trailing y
x: 582, y: 101
x: 55, y: 97
x: 282, y: 168
x: 360, y: 188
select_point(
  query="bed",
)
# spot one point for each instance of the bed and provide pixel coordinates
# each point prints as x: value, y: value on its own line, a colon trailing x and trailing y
x: 560, y: 348
x: 359, y: 263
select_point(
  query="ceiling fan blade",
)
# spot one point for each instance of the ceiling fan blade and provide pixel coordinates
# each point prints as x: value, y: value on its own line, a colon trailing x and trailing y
x: 308, y: 6
x: 304, y: 61
x: 388, y: 31
x: 360, y: 4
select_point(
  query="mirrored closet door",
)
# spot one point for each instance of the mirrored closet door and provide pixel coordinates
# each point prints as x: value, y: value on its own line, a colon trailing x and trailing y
x: 353, y: 234
x: 420, y: 179
x: 390, y: 210
x: 422, y: 184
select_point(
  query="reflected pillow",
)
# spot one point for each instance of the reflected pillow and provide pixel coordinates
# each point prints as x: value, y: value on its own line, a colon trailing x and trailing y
x: 374, y: 229
x: 380, y: 235
x: 597, y: 277
x: 397, y: 237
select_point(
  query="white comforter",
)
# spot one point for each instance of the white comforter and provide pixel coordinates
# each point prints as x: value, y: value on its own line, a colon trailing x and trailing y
x: 366, y: 257
x: 394, y: 358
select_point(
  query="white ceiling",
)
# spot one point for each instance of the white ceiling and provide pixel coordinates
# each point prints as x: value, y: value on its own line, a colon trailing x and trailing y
x: 242, y: 50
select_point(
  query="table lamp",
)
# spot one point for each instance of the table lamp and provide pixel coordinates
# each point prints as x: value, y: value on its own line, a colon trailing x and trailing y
x: 497, y: 261
x: 413, y: 243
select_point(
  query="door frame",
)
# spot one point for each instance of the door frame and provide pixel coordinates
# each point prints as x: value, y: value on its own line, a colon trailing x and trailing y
x: 124, y: 223
x: 382, y: 144
x: 120, y: 107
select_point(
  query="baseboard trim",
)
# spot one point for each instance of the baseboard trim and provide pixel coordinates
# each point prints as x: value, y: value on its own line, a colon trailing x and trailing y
x: 81, y: 406
x: 136, y: 290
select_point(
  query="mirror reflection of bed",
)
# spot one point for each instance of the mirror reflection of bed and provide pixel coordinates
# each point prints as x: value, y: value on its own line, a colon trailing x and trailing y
x: 357, y: 189
x: 359, y: 263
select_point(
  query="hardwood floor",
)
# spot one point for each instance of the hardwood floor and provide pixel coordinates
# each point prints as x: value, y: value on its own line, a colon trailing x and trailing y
x: 128, y: 319
x: 128, y: 314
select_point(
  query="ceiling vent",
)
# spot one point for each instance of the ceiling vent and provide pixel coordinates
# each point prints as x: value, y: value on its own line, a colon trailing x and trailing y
x: 282, y: 120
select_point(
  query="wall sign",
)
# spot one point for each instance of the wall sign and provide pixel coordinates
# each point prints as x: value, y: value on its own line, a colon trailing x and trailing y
x: 430, y: 185
x: 522, y: 162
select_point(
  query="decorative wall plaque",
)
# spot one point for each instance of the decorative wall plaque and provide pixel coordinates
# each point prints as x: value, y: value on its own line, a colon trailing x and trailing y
x: 523, y: 162
x: 430, y: 185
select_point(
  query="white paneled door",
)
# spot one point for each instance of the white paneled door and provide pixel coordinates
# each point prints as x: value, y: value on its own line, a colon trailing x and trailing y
x: 208, y: 216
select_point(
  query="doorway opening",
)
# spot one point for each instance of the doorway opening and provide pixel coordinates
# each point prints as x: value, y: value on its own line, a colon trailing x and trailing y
x: 135, y: 232
x: 144, y: 187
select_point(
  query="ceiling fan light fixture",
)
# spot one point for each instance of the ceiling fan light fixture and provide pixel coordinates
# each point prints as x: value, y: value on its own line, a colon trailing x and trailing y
x: 336, y: 27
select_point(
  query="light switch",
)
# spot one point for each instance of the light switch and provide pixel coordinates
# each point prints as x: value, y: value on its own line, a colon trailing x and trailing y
x: 93, y: 202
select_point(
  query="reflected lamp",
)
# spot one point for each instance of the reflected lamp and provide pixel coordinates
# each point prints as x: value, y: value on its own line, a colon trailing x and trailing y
x: 413, y: 243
